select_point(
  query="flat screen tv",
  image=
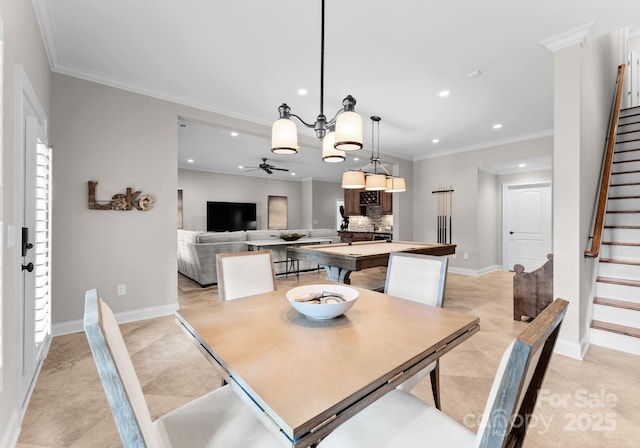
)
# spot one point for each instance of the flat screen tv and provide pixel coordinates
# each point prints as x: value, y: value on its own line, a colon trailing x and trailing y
x: 230, y: 216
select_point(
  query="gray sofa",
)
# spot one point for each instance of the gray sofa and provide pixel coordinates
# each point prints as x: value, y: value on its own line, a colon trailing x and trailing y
x: 197, y: 249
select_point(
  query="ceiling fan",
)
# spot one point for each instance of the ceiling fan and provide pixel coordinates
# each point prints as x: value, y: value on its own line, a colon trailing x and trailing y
x: 268, y: 168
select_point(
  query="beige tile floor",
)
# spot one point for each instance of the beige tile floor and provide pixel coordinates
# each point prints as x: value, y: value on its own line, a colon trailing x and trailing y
x: 592, y: 403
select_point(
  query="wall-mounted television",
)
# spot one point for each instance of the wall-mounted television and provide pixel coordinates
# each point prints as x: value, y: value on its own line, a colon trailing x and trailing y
x: 230, y: 216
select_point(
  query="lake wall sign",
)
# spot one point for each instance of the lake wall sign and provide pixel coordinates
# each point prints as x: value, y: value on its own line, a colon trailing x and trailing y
x: 121, y: 201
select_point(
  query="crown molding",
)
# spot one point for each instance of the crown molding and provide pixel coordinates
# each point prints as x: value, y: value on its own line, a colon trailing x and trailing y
x: 490, y: 144
x: 44, y: 16
x: 578, y: 35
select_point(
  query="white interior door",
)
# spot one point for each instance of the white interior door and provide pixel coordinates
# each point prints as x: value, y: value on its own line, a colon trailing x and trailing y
x: 34, y: 236
x: 634, y: 76
x: 527, y: 225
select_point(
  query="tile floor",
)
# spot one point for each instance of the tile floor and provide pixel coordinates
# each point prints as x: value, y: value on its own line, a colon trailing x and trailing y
x: 585, y: 404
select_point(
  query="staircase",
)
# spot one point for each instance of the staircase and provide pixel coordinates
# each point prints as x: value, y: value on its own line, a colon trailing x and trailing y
x: 616, y: 307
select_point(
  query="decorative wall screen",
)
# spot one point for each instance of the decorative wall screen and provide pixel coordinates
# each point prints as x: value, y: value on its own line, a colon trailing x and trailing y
x: 277, y: 208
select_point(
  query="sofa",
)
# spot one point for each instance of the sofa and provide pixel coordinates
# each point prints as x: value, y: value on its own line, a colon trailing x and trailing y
x: 197, y: 250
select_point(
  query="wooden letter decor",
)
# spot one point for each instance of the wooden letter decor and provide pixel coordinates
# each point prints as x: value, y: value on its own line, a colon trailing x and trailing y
x: 119, y: 201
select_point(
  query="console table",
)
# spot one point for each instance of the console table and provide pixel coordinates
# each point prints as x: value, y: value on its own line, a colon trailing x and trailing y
x: 261, y: 244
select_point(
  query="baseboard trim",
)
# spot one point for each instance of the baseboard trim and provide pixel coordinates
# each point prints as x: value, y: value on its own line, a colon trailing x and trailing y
x: 12, y: 431
x: 76, y: 326
x: 475, y: 272
x: 575, y: 350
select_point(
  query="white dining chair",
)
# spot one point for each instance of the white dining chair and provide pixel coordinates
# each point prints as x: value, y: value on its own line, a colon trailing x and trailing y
x: 402, y: 420
x: 420, y: 278
x: 217, y: 419
x: 242, y: 274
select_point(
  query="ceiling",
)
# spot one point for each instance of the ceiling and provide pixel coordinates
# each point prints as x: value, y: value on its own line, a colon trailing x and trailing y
x: 244, y: 58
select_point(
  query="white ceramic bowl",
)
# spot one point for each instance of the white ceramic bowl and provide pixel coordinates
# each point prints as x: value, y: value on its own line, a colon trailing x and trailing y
x: 322, y: 310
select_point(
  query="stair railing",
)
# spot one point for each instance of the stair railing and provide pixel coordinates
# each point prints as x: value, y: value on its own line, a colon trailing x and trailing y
x: 605, y: 176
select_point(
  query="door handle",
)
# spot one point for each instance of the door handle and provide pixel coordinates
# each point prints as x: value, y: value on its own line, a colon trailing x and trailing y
x: 27, y: 267
x: 511, y: 233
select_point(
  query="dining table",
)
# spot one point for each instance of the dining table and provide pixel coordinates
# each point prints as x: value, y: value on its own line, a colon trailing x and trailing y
x: 304, y: 377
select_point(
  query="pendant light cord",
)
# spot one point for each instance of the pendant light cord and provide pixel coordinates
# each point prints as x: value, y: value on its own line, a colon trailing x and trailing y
x: 322, y: 63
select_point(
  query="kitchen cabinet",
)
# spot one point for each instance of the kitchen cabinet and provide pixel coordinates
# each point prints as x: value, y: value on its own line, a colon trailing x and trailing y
x: 386, y: 203
x: 352, y: 203
x: 355, y: 201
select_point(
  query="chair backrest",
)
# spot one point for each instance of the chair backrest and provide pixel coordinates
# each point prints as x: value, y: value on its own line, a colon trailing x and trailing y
x: 242, y: 274
x: 515, y: 389
x: 117, y: 374
x: 417, y: 277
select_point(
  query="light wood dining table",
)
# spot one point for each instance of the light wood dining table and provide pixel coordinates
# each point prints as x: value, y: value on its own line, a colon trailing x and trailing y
x: 305, y: 377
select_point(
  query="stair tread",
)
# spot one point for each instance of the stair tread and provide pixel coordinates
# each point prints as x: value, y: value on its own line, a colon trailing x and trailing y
x: 620, y: 261
x: 619, y: 281
x: 626, y: 172
x: 615, y: 328
x: 620, y: 151
x: 625, y: 304
x: 622, y: 227
x: 627, y: 161
x: 624, y: 184
x: 624, y: 197
x: 627, y: 141
x: 627, y: 132
x: 621, y: 243
x: 623, y: 211
x: 627, y: 124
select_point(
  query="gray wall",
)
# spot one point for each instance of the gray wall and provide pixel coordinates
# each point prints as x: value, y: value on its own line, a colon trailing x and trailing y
x: 325, y: 196
x: 461, y: 171
x: 198, y: 187
x: 121, y: 140
x: 311, y: 204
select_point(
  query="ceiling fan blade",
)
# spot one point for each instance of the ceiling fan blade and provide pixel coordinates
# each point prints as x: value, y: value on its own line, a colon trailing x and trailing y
x: 268, y: 170
x: 279, y: 169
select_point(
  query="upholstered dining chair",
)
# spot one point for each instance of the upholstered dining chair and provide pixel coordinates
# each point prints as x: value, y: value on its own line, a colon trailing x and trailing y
x: 420, y: 278
x: 242, y: 274
x: 402, y: 420
x: 217, y: 419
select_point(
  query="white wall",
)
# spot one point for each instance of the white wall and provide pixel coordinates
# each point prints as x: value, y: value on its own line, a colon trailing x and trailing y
x: 584, y: 82
x: 22, y: 45
x: 198, y: 187
x: 461, y: 171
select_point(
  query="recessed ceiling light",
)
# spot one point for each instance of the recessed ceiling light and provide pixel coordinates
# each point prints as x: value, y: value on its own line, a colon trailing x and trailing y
x: 302, y: 91
x: 435, y: 140
x: 293, y: 174
x: 240, y: 167
x: 444, y: 93
x: 497, y: 126
x: 234, y: 134
x: 355, y: 159
x: 522, y: 165
x: 189, y: 160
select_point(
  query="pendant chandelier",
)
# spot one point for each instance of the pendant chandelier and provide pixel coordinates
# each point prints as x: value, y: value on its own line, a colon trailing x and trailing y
x: 374, y: 176
x: 342, y: 133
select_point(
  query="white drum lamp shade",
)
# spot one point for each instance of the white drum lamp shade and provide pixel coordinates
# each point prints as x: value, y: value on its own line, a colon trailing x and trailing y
x: 284, y: 137
x: 329, y: 153
x: 353, y: 179
x: 376, y: 182
x: 396, y: 185
x: 348, y: 131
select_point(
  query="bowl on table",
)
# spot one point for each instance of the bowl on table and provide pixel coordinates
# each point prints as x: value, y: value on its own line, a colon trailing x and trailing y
x: 324, y: 301
x: 291, y: 236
